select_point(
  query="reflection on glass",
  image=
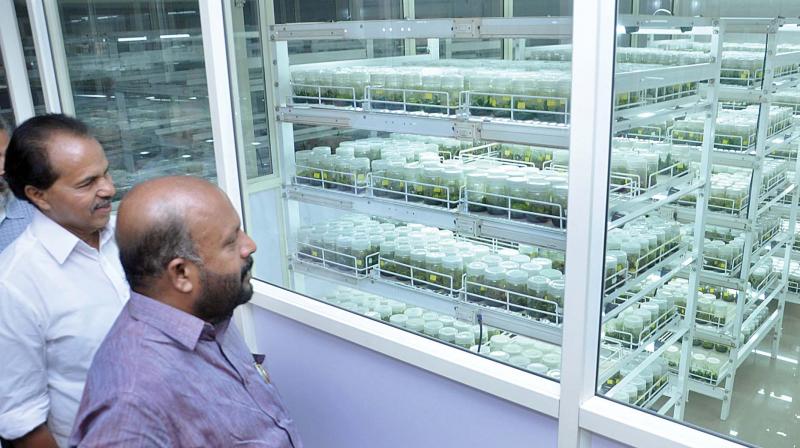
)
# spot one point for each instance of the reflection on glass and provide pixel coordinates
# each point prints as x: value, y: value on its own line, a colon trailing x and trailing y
x: 6, y: 112
x: 694, y: 286
x: 24, y: 24
x: 250, y: 84
x: 293, y: 11
x: 374, y: 208
x: 138, y: 79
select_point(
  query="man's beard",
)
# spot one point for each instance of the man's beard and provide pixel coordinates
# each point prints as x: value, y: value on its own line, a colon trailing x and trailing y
x: 222, y: 293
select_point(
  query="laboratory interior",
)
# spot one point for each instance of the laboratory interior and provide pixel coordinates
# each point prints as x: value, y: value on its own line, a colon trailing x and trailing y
x: 504, y: 223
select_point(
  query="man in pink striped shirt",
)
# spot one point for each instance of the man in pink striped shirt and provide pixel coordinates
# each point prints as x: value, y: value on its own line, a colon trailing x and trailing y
x: 173, y: 370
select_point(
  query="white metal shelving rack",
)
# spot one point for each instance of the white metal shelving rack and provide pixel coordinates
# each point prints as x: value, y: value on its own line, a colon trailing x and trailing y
x: 458, y: 126
x: 770, y: 294
x: 672, y: 397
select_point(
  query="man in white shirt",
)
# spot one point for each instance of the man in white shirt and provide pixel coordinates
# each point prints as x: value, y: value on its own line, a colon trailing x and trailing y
x: 15, y: 215
x: 61, y: 282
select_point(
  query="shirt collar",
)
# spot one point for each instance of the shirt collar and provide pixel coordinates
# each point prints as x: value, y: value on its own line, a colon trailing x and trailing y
x: 179, y: 325
x: 59, y: 241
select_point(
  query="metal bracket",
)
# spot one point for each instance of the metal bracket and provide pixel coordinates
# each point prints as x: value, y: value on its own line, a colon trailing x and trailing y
x: 288, y: 117
x: 466, y: 28
x: 467, y: 130
x: 465, y: 313
x: 466, y: 226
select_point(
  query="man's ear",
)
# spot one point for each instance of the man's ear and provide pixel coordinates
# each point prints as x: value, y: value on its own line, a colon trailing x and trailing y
x: 37, y: 197
x: 181, y: 274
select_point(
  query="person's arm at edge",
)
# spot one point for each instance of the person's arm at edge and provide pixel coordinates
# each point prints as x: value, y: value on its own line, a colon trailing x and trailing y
x: 40, y: 437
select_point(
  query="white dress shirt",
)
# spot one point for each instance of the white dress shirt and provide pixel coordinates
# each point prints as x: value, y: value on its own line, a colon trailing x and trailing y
x: 58, y: 299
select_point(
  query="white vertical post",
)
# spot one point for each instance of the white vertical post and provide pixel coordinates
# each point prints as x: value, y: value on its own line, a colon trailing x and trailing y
x: 281, y: 135
x: 59, y: 56
x: 212, y: 24
x: 593, y: 32
x: 14, y: 63
x: 410, y: 13
x: 508, y: 44
x: 44, y: 56
x: 701, y: 205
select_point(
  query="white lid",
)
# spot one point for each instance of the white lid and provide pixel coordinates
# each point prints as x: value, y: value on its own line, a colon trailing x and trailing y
x: 494, y: 273
x: 415, y: 324
x: 433, y: 324
x: 537, y: 282
x: 516, y: 276
x: 476, y: 267
x: 398, y: 319
x: 537, y: 367
x: 465, y: 337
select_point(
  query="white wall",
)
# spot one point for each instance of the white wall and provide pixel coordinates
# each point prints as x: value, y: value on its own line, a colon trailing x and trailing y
x: 345, y: 396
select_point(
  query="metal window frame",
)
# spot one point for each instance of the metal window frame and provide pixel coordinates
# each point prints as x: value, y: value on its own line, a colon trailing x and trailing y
x: 14, y: 63
x: 580, y: 412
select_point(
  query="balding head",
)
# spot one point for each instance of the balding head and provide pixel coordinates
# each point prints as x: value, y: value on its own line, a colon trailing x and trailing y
x: 155, y: 221
x: 177, y: 237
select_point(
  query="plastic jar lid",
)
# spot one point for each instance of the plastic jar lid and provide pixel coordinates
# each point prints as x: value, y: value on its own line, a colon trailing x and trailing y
x: 512, y: 349
x: 414, y: 312
x: 633, y: 322
x: 533, y: 354
x: 465, y: 338
x: 545, y: 263
x: 531, y: 268
x: 538, y: 368
x: 499, y: 355
x: 415, y: 324
x: 399, y: 319
x: 538, y: 282
x: 492, y: 260
x: 447, y: 334
x: 509, y: 265
x: 434, y: 258
x: 494, y: 273
x: 476, y: 268
x: 499, y: 341
x: 552, y: 360
x: 418, y: 255
x: 430, y: 315
x: 516, y: 277
x: 551, y: 274
x: 432, y: 327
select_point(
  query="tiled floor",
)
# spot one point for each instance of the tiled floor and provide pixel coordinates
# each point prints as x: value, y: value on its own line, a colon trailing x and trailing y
x: 765, y: 410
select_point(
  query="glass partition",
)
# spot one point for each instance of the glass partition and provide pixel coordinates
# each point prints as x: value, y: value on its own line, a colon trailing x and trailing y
x: 24, y: 24
x: 701, y: 223
x: 424, y: 177
x: 6, y: 110
x: 138, y: 79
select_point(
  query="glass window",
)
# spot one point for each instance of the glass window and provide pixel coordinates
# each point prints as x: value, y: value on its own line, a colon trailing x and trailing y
x: 385, y: 211
x: 6, y: 111
x: 251, y: 90
x: 138, y: 78
x: 292, y: 11
x: 24, y: 24
x: 699, y: 191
